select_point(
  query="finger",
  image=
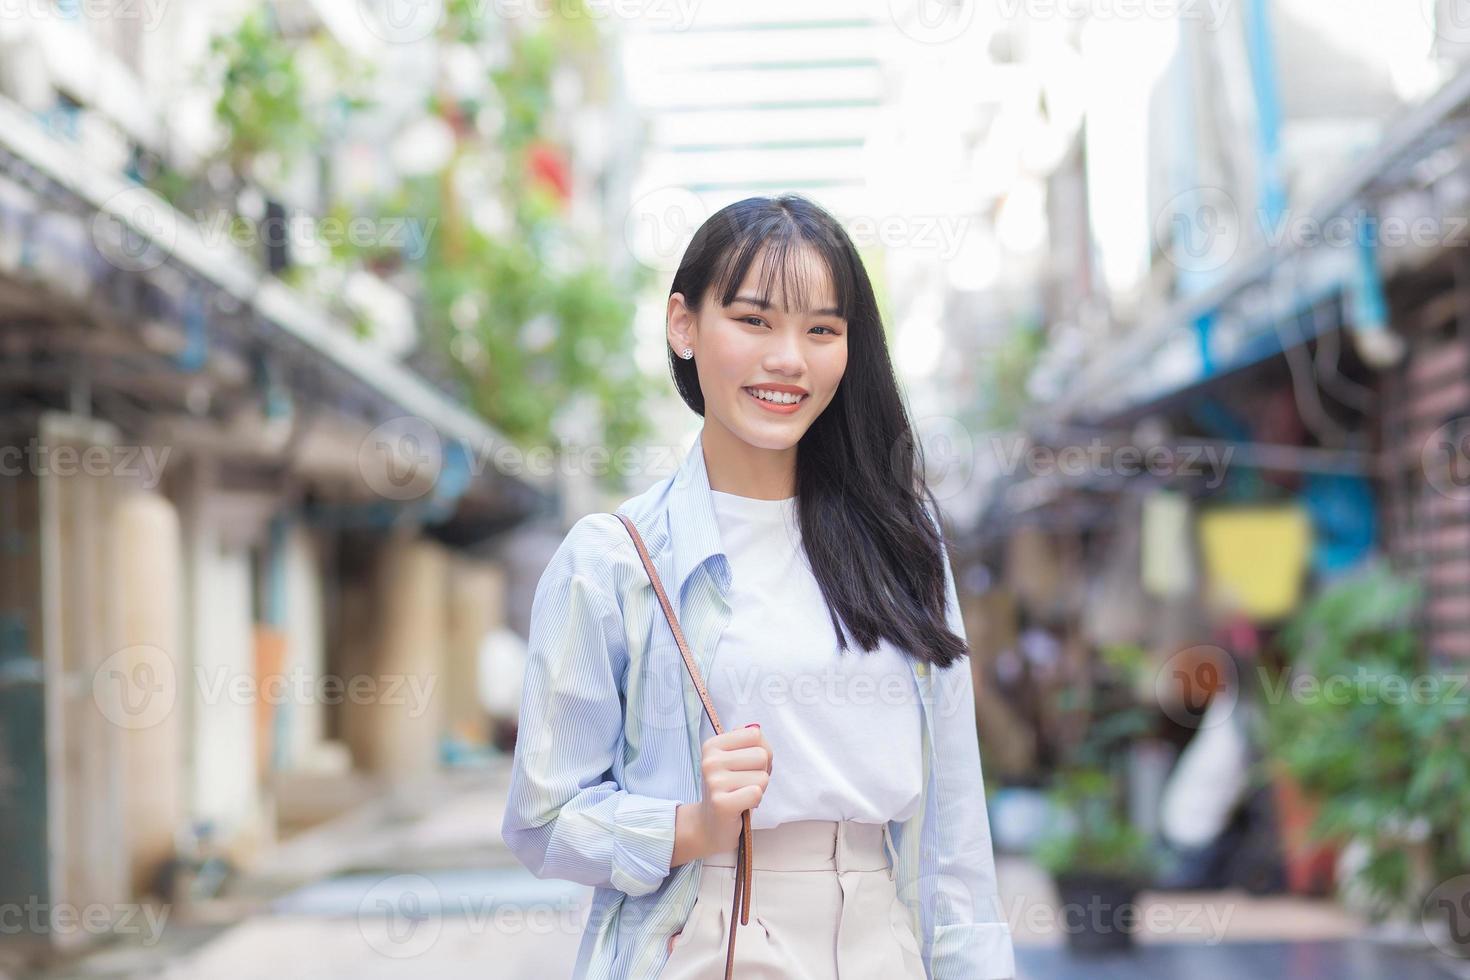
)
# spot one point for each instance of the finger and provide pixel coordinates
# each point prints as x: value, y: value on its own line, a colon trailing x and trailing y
x: 741, y: 797
x: 751, y: 796
x: 754, y: 757
x: 746, y: 735
x: 729, y: 782
x: 739, y: 779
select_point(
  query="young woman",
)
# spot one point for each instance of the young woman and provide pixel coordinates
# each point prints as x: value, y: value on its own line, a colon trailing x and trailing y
x: 805, y: 561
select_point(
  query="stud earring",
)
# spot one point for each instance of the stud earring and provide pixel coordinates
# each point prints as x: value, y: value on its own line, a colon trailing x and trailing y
x: 687, y: 353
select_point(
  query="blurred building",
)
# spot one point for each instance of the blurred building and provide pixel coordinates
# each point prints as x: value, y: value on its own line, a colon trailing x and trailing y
x: 249, y: 552
x: 1253, y: 376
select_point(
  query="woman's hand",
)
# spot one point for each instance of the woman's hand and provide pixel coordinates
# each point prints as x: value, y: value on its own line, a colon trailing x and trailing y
x: 735, y: 768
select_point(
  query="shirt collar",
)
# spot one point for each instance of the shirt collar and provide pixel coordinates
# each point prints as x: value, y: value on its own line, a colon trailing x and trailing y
x: 692, y: 528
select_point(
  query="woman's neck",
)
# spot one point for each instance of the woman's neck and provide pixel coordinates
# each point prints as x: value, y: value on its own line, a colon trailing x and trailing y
x: 735, y: 466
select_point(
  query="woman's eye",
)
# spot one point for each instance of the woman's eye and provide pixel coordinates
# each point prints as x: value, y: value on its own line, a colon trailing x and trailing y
x: 828, y: 329
x: 758, y: 321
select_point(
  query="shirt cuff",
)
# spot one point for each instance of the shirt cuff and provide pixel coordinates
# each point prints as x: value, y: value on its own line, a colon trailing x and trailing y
x: 973, y: 951
x: 643, y: 843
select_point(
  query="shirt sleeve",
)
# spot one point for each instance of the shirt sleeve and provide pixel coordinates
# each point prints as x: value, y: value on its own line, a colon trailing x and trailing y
x: 565, y: 816
x: 971, y: 938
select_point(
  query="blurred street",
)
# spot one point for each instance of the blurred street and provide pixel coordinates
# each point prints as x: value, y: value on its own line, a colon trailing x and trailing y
x: 424, y: 883
x: 325, y: 325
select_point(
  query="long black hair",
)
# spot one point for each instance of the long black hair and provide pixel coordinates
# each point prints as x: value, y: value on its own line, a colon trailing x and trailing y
x: 861, y: 498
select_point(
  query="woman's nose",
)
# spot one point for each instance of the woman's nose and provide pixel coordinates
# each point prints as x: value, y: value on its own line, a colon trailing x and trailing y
x: 784, y: 356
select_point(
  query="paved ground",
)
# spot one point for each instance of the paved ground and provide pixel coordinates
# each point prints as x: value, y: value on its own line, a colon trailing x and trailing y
x: 420, y: 886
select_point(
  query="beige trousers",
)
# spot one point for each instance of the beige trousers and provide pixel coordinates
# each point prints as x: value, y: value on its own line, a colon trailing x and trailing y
x: 823, y: 906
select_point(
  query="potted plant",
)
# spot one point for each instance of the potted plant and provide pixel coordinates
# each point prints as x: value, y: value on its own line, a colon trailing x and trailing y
x: 1378, y: 735
x: 1098, y: 861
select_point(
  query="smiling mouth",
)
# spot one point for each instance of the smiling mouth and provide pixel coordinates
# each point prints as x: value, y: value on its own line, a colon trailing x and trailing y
x: 776, y: 399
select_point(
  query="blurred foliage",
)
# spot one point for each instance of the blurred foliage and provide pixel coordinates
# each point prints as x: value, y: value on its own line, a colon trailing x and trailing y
x: 533, y: 326
x: 536, y: 329
x: 1005, y: 372
x: 1385, y: 767
x: 266, y: 104
x: 1093, y: 836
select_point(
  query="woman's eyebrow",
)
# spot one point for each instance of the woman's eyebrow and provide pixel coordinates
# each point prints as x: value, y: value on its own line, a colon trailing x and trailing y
x: 763, y: 305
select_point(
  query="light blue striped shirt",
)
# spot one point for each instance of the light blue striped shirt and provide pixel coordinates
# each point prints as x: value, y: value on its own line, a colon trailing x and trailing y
x: 608, y: 747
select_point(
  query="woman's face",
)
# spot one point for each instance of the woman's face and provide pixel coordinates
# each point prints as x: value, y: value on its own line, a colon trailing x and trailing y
x: 750, y: 349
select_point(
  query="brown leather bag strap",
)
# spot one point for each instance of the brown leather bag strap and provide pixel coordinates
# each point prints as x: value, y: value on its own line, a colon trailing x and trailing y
x: 743, y: 861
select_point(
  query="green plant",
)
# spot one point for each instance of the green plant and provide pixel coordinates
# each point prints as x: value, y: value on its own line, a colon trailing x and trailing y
x: 1091, y: 835
x: 532, y: 325
x: 266, y: 104
x: 1375, y: 732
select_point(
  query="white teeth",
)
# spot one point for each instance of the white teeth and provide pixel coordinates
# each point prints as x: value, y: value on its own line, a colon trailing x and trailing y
x: 779, y: 397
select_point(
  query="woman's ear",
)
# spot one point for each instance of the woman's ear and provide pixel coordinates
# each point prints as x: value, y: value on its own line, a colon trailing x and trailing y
x: 681, y: 324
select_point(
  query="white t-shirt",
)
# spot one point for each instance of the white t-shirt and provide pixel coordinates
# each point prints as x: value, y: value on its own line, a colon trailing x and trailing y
x: 844, y: 726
